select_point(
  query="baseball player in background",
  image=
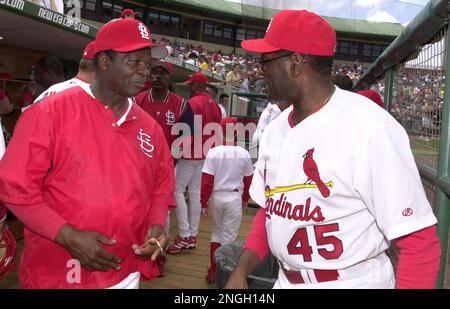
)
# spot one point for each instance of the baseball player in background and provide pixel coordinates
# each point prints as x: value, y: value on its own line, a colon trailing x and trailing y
x: 95, y: 175
x: 128, y: 14
x: 226, y: 177
x: 189, y: 169
x: 165, y: 106
x: 335, y: 176
x: 85, y: 76
x: 168, y: 109
x: 47, y: 72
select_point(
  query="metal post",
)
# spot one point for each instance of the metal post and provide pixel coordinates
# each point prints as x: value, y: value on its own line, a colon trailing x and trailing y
x: 442, y: 202
x: 388, y: 87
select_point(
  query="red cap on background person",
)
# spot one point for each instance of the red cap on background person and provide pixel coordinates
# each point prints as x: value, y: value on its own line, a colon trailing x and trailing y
x: 89, y: 51
x: 373, y: 95
x: 227, y: 120
x: 297, y: 31
x: 164, y: 64
x: 111, y: 37
x: 228, y: 126
x: 127, y: 12
x: 197, y: 78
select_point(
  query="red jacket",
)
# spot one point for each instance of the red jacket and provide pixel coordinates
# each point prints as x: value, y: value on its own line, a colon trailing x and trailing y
x: 166, y: 113
x: 71, y: 154
x: 208, y: 111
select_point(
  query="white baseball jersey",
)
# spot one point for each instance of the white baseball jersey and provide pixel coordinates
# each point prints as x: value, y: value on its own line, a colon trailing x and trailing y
x: 60, y: 87
x: 271, y: 112
x: 338, y: 186
x: 228, y: 165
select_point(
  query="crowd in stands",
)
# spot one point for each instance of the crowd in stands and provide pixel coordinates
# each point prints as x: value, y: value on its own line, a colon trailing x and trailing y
x: 354, y: 71
x: 236, y: 70
x: 418, y: 100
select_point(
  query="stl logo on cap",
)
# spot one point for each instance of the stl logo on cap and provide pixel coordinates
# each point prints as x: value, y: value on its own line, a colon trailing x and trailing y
x: 143, y: 30
x: 125, y: 36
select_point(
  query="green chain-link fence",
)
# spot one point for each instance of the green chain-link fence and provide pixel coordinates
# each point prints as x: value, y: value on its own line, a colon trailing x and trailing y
x: 413, y: 74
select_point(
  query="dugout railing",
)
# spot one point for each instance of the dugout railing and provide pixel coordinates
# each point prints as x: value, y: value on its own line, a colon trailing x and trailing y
x: 413, y: 74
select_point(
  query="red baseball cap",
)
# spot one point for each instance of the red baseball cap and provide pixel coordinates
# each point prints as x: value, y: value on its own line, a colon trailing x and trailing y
x: 89, y: 51
x: 163, y: 63
x: 127, y: 12
x: 127, y: 35
x: 373, y: 95
x: 297, y: 31
x: 225, y: 121
x: 197, y: 78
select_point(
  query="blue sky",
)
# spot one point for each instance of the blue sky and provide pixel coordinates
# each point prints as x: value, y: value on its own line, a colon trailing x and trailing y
x: 400, y: 11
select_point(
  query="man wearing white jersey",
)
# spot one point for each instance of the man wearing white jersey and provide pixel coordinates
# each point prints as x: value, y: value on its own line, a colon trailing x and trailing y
x: 227, y: 174
x: 335, y: 177
x: 85, y: 76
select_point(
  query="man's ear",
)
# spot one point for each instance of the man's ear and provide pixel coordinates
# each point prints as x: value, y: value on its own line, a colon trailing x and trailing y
x: 104, y: 61
x: 296, y: 64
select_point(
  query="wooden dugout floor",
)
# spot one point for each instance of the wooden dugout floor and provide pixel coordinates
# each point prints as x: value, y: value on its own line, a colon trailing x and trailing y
x: 186, y: 270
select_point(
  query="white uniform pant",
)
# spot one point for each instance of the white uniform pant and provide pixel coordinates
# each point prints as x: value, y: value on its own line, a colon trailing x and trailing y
x: 376, y: 273
x: 188, y: 174
x: 226, y: 212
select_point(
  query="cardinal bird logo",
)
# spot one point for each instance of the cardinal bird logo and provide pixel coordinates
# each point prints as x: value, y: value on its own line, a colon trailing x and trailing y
x: 312, y: 172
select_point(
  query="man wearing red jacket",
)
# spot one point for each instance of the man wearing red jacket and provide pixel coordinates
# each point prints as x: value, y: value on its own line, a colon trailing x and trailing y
x: 164, y: 106
x: 95, y: 175
x: 167, y: 108
x: 189, y: 168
